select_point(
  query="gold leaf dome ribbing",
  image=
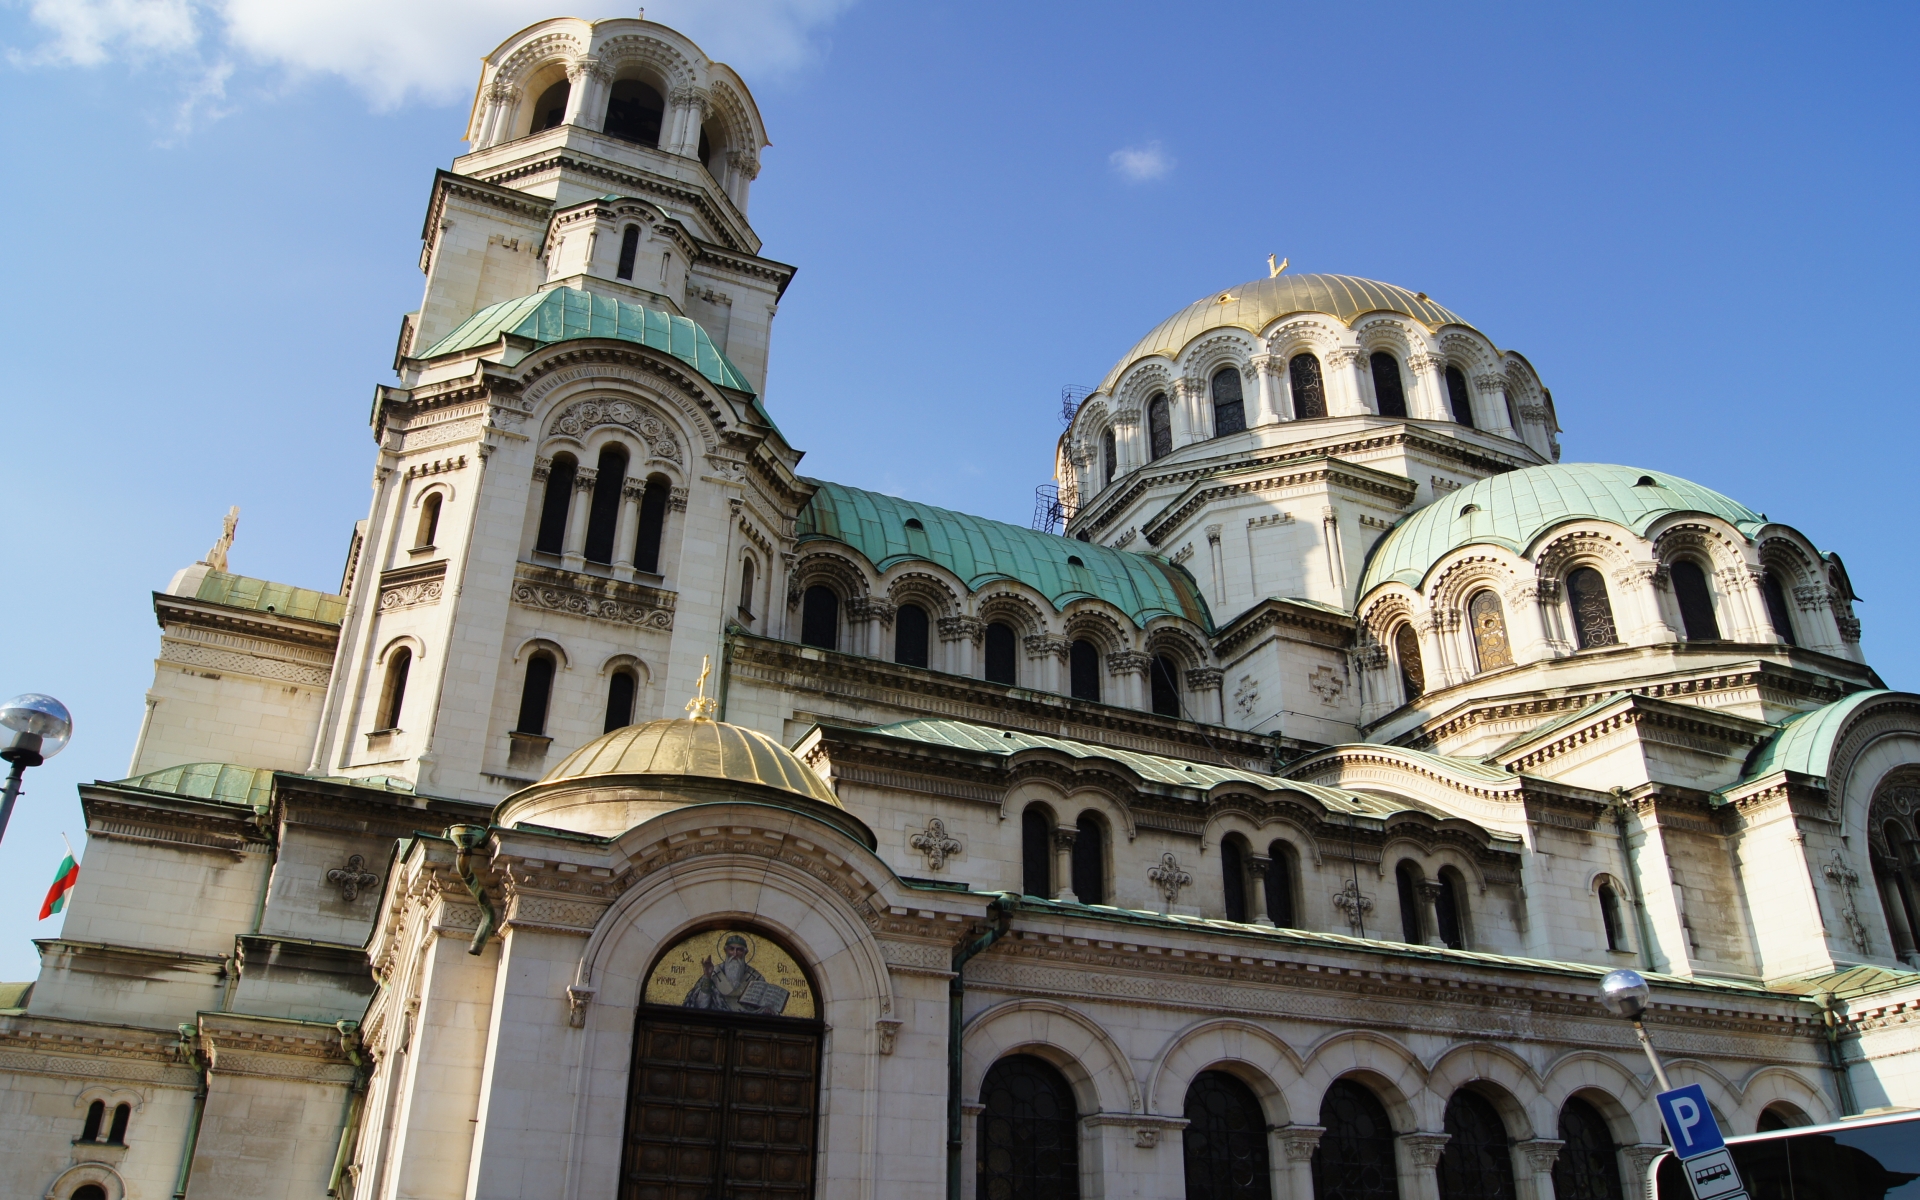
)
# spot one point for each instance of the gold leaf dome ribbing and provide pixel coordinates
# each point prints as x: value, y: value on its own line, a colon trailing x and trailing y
x: 699, y: 748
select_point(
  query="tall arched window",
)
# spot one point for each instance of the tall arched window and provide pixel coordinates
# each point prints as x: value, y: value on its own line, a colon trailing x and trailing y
x: 747, y: 573
x: 1159, y: 427
x: 1609, y: 898
x: 550, y: 110
x: 553, y: 507
x: 1083, y: 666
x: 820, y: 618
x: 429, y: 526
x: 1592, y: 611
x: 1090, y: 859
x: 1354, y: 1159
x: 1477, y: 1163
x: 1036, y: 851
x: 1233, y: 876
x: 1450, y: 909
x: 621, y: 687
x: 393, y: 691
x: 653, y: 524
x: 117, y: 1135
x: 629, y: 250
x: 910, y: 635
x: 604, y: 514
x: 1388, y: 392
x: 1164, y: 683
x: 96, y: 1115
x: 1458, y: 399
x: 1777, y: 614
x: 1406, y: 652
x: 536, y: 691
x: 1229, y: 405
x: 634, y: 110
x: 1225, y: 1141
x: 1489, y: 623
x: 1108, y: 455
x: 1309, y: 392
x: 1028, y: 1137
x: 1587, y: 1167
x: 1283, y: 880
x: 1407, y: 882
x: 1893, y: 858
x: 1002, y: 664
x: 1696, y: 600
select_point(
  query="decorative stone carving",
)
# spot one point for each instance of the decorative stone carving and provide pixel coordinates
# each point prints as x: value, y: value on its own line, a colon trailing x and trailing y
x: 935, y: 843
x: 579, y: 996
x: 1298, y: 1142
x: 677, y: 498
x: 955, y: 629
x: 1040, y: 645
x: 585, y: 478
x: 1540, y: 1153
x: 872, y: 608
x: 1204, y: 679
x: 1846, y: 879
x: 582, y: 417
x: 352, y: 877
x: 889, y: 1029
x: 1423, y: 1149
x: 410, y: 587
x: 547, y: 590
x: 1327, y: 684
x: 1129, y: 662
x: 1355, y: 903
x: 1169, y: 878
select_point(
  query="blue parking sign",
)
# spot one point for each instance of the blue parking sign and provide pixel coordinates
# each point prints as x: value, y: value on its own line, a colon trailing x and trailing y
x: 1691, y: 1129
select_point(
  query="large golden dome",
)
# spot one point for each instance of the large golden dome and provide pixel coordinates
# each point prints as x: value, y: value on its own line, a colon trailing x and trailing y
x: 694, y: 748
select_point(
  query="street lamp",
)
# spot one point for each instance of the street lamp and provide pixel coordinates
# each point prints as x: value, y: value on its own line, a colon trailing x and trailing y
x: 41, y: 727
x: 1625, y: 994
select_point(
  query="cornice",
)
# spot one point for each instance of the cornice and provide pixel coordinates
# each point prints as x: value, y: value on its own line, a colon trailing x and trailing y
x: 87, y: 1049
x: 445, y: 182
x: 729, y: 223
x: 1276, y: 611
x: 204, y: 614
x: 1261, y: 478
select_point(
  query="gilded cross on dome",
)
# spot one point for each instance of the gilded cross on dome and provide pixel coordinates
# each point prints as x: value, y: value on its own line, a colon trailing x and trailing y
x: 702, y: 706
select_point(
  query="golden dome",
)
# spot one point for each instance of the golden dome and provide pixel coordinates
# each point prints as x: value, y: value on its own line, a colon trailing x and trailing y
x: 1254, y: 306
x: 699, y: 748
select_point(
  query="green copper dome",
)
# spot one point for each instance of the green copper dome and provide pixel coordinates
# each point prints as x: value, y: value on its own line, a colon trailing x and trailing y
x: 563, y: 314
x: 1513, y: 509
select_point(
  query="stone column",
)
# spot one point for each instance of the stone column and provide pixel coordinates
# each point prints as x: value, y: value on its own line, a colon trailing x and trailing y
x: 1346, y: 383
x: 1429, y: 893
x: 1292, y: 1158
x: 1128, y: 669
x: 495, y: 125
x: 961, y: 636
x: 1533, y: 1167
x: 1063, y: 839
x: 1741, y: 586
x: 1429, y: 398
x: 1886, y: 876
x: 1204, y: 685
x: 1218, y: 564
x: 1634, y: 1161
x: 1419, y: 1155
x: 627, y: 529
x: 1494, y: 388
x: 1267, y: 389
x: 686, y: 112
x: 1180, y: 413
x: 573, y: 555
x: 586, y: 104
x: 1257, y: 867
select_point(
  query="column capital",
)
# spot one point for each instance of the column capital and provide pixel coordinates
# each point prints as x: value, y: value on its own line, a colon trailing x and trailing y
x: 1423, y: 1149
x: 1205, y: 679
x: 1258, y: 865
x: 1298, y: 1142
x: 1063, y: 837
x: 1540, y: 1153
x: 584, y: 479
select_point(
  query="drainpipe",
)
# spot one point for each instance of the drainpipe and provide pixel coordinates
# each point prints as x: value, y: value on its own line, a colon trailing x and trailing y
x: 1633, y: 878
x: 1000, y: 913
x: 466, y: 839
x: 356, y: 1097
x: 1830, y: 1009
x: 191, y: 1051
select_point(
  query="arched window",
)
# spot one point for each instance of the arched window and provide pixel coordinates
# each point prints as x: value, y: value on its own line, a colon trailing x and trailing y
x: 1309, y: 393
x: 1490, y: 647
x: 1458, y: 398
x: 429, y: 525
x: 1108, y: 457
x: 1090, y: 859
x: 90, y: 1128
x: 653, y: 525
x: 1777, y: 613
x: 1036, y: 851
x: 1283, y: 879
x: 1407, y: 881
x: 1893, y: 863
x: 1083, y: 665
x: 820, y: 618
x: 553, y: 508
x: 604, y: 514
x: 1388, y: 392
x: 1159, y: 427
x: 1001, y: 663
x: 1616, y: 929
x: 393, y: 692
x: 1164, y: 682
x: 634, y: 110
x: 1587, y: 1167
x: 620, y: 689
x: 629, y: 250
x: 1513, y: 422
x: 746, y: 590
x: 1354, y: 1159
x: 550, y: 111
x: 1592, y: 611
x: 1229, y: 406
x: 1477, y: 1163
x: 1696, y: 600
x: 1233, y: 876
x: 910, y: 635
x: 1225, y: 1141
x: 1028, y: 1136
x: 1450, y: 909
x: 535, y: 693
x: 89, y: 1191
x: 1406, y: 650
x: 1775, y: 1117
x: 117, y: 1136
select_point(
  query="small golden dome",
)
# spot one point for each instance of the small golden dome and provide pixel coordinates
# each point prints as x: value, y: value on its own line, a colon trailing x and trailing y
x: 700, y: 748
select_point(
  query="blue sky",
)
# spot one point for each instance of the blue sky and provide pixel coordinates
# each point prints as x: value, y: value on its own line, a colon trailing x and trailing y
x: 1697, y: 222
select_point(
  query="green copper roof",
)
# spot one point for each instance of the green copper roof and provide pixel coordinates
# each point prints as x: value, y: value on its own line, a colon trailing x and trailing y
x: 224, y: 782
x: 1804, y: 744
x: 980, y: 551
x: 562, y: 314
x: 240, y: 591
x: 1513, y: 509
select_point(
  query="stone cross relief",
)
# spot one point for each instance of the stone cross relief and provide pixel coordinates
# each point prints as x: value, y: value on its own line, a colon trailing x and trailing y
x: 1846, y: 879
x: 352, y: 877
x: 1169, y: 878
x: 1354, y: 903
x: 935, y: 844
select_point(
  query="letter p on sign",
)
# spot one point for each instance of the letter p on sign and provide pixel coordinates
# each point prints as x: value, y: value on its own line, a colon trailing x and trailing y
x: 1690, y: 1124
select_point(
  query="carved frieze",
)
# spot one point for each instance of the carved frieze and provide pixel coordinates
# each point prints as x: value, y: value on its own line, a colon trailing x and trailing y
x: 545, y: 589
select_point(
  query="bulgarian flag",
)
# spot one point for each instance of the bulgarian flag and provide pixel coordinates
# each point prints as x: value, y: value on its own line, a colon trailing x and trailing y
x: 63, y: 881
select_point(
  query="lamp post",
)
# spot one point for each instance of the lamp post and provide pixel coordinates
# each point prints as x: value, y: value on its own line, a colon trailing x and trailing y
x: 1625, y: 994
x: 41, y: 728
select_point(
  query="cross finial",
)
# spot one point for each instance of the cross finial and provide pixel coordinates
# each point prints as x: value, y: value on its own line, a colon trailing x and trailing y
x: 702, y: 706
x: 1273, y: 268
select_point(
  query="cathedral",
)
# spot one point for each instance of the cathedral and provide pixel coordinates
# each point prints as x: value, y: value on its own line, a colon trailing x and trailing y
x: 644, y: 819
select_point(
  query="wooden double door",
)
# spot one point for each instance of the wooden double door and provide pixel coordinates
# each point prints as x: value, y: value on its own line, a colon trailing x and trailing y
x: 721, y: 1107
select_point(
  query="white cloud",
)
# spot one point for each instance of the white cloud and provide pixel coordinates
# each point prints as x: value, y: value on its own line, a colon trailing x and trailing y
x: 392, y: 51
x: 1139, y: 164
